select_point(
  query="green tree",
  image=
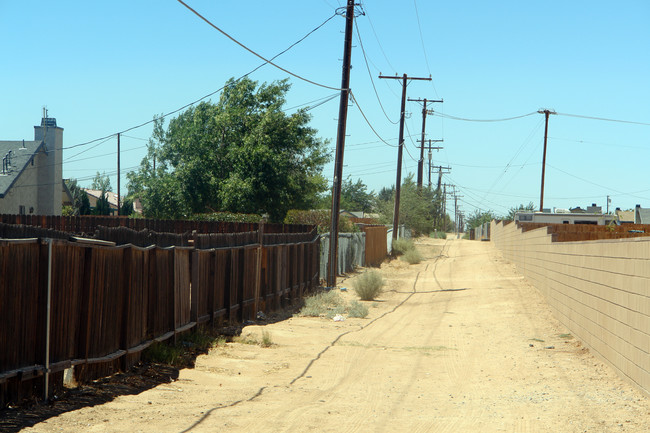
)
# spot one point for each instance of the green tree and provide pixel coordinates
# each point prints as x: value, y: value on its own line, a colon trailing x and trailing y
x: 530, y: 207
x: 80, y: 202
x: 241, y: 154
x: 419, y: 208
x: 354, y: 197
x: 102, y: 207
x: 101, y: 182
x: 480, y: 217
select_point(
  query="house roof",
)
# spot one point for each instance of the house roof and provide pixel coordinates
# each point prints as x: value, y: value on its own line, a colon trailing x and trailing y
x: 21, y: 154
x: 112, y: 197
x: 625, y: 215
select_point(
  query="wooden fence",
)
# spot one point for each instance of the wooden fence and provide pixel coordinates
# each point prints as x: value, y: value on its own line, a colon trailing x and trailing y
x: 108, y: 303
x: 376, y: 247
x: 88, y: 224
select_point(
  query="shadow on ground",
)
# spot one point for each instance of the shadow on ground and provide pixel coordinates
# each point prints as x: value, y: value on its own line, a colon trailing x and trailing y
x: 141, y: 378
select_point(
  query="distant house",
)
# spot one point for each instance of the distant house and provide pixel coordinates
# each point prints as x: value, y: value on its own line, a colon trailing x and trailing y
x: 95, y: 194
x: 641, y: 215
x: 563, y: 216
x: 625, y: 216
x: 31, y: 176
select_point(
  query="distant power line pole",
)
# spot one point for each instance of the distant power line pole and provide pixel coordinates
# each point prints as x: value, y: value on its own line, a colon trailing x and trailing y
x: 456, y: 214
x: 118, y: 175
x: 340, y: 145
x: 430, y: 156
x: 424, y: 123
x: 541, y: 195
x: 398, y: 182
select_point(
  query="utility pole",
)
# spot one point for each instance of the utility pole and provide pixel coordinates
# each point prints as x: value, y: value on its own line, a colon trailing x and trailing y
x: 541, y: 196
x: 118, y: 175
x: 398, y: 182
x: 456, y: 214
x: 429, y: 147
x: 340, y: 145
x: 424, y: 122
x: 440, y: 173
x: 444, y: 202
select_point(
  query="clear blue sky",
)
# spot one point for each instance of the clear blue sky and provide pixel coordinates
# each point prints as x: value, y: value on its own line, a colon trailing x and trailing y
x: 104, y: 67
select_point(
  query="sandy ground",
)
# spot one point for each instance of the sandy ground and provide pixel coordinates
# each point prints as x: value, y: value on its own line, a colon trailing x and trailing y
x: 458, y: 343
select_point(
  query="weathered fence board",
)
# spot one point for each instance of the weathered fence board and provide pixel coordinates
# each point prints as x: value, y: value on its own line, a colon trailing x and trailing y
x: 108, y: 303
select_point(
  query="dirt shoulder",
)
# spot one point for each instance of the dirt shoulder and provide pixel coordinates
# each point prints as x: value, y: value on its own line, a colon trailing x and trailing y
x: 457, y: 343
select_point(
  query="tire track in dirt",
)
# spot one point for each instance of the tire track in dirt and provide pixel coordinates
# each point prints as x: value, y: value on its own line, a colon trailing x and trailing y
x: 341, y: 372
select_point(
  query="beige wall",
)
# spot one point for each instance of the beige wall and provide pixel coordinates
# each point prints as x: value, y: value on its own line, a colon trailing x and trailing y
x: 600, y: 290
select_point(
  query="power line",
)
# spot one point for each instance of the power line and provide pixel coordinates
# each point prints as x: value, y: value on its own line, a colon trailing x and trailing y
x: 319, y: 101
x: 604, y: 119
x: 505, y: 119
x: 356, y: 102
x: 372, y: 81
x: 379, y: 43
x: 426, y: 59
x: 206, y: 96
x: 254, y: 53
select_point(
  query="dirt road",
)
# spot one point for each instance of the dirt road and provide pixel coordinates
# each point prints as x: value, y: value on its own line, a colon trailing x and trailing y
x: 458, y: 343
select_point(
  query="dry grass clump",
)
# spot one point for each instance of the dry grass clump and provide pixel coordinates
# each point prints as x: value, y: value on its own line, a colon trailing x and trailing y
x: 357, y: 309
x: 412, y: 257
x: 368, y: 286
x: 327, y: 304
x: 402, y: 245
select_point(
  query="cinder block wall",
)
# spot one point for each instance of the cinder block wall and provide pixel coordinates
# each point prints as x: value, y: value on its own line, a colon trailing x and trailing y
x: 600, y: 290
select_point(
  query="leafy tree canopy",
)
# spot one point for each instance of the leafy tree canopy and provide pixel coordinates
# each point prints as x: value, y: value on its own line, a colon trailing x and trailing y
x: 530, y: 207
x: 101, y: 182
x: 420, y: 209
x: 242, y: 154
x: 480, y: 217
x: 80, y: 202
x: 354, y: 197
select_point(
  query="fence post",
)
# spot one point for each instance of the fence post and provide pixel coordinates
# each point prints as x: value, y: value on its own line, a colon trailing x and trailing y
x: 258, y: 272
x: 47, y: 318
x: 194, y: 286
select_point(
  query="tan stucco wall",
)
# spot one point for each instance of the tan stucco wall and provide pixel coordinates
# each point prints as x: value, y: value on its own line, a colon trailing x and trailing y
x: 600, y: 290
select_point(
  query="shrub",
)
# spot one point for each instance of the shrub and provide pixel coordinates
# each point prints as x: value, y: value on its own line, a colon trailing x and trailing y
x: 368, y: 285
x: 320, y: 218
x: 323, y: 304
x: 267, y: 341
x: 413, y: 257
x: 401, y: 246
x: 357, y: 309
x: 438, y: 235
x: 163, y: 353
x: 227, y: 217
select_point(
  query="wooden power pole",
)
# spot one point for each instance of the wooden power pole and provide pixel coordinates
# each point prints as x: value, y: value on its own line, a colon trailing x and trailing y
x: 424, y: 123
x: 340, y: 145
x: 118, y: 175
x: 398, y: 181
x: 541, y: 195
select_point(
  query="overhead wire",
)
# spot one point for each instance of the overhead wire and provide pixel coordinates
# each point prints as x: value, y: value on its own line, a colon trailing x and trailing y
x: 381, y: 48
x: 603, y: 119
x: 269, y: 61
x: 370, y: 75
x: 356, y: 102
x: 426, y: 58
x: 505, y: 119
x: 209, y: 94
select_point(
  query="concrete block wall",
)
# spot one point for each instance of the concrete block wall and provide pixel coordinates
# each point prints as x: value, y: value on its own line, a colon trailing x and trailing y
x: 600, y: 290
